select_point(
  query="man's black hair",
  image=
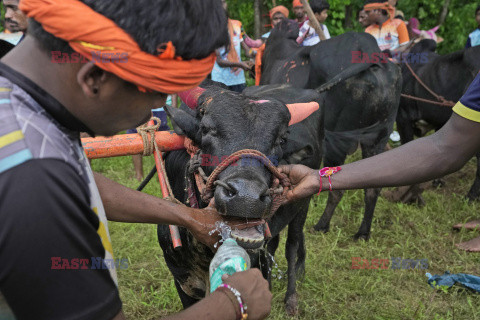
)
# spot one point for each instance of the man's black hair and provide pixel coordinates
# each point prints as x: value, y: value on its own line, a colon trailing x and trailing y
x: 478, y: 9
x: 196, y: 28
x: 319, y: 5
x: 384, y: 12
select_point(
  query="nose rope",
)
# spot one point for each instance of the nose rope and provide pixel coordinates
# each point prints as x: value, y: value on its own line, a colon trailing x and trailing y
x: 207, y: 187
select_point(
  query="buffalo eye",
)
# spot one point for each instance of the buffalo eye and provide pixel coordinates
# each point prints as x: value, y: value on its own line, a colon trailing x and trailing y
x: 207, y: 130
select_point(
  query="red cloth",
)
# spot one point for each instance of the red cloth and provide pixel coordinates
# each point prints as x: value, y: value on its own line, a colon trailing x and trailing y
x: 297, y: 3
x: 89, y: 33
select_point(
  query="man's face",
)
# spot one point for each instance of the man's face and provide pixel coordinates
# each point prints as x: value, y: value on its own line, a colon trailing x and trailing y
x: 373, y: 16
x: 115, y: 106
x: 363, y: 19
x: 277, y: 18
x: 15, y: 20
x: 299, y: 12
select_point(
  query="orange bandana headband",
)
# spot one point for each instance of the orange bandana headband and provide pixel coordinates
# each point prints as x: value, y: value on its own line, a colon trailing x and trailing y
x: 90, y: 33
x: 381, y: 6
x: 283, y: 10
x: 297, y: 3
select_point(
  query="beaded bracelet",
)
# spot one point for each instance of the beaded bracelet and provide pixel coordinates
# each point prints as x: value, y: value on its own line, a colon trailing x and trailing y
x: 243, y: 306
x: 327, y: 172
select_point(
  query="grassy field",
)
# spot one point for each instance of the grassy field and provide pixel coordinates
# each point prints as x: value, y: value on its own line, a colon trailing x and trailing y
x: 330, y: 288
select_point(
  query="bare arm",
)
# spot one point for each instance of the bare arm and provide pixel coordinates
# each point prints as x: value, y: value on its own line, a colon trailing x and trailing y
x: 223, y: 63
x: 216, y: 306
x: 123, y: 204
x: 254, y: 292
x: 420, y: 160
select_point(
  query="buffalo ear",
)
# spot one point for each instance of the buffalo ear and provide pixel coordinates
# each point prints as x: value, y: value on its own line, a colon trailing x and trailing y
x: 183, y: 123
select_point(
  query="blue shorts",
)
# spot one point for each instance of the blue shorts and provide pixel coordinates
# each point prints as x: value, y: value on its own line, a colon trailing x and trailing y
x: 162, y: 115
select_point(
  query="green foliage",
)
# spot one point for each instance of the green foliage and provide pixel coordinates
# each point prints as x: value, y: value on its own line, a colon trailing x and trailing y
x: 460, y: 20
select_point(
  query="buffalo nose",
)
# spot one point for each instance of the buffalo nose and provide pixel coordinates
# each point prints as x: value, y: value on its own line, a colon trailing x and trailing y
x: 242, y: 198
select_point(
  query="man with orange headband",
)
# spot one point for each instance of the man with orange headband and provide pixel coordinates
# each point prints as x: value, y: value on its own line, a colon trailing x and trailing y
x: 299, y: 12
x: 390, y: 33
x: 55, y: 250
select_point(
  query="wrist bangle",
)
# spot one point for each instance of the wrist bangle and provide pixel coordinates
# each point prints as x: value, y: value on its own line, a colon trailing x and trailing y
x: 233, y: 299
x: 328, y: 172
x: 226, y: 288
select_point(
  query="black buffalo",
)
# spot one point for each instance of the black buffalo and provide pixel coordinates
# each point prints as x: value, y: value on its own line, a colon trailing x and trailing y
x: 360, y: 99
x: 223, y: 123
x: 448, y: 76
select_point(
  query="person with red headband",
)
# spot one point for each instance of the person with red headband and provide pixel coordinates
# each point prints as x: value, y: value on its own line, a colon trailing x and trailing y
x: 299, y: 12
x: 391, y: 34
x: 57, y: 260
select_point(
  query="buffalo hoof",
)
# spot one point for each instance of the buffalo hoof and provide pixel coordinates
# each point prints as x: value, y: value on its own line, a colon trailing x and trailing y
x: 320, y: 228
x: 361, y: 236
x: 291, y: 305
x: 438, y: 183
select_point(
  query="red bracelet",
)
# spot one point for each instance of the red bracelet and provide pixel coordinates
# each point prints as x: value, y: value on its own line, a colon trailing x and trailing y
x: 328, y: 172
x: 320, y: 190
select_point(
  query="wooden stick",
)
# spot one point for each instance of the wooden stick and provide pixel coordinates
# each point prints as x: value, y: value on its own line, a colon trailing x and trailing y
x: 313, y: 20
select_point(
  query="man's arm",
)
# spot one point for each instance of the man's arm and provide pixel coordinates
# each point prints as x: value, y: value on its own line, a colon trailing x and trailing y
x: 254, y: 293
x: 223, y: 63
x: 123, y: 204
x: 420, y: 160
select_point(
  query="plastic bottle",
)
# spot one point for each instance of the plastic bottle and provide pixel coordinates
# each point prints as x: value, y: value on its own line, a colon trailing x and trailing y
x: 230, y: 258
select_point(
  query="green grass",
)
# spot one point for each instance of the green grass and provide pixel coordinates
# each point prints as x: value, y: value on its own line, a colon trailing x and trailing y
x: 330, y: 288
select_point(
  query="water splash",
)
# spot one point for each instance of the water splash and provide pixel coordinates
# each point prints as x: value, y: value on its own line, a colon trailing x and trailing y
x: 275, y: 271
x: 223, y: 230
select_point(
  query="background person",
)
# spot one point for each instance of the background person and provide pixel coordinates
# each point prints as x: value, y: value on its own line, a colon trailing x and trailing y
x: 299, y: 12
x: 390, y: 33
x: 229, y: 67
x: 45, y: 105
x: 307, y: 35
x: 15, y: 22
x: 474, y: 37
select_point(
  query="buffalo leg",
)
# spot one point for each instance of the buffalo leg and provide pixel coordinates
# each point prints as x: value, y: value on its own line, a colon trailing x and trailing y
x: 295, y: 239
x: 334, y: 198
x: 371, y: 195
x: 474, y: 192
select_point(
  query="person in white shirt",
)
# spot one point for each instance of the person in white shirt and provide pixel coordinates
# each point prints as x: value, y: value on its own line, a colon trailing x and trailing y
x: 307, y: 35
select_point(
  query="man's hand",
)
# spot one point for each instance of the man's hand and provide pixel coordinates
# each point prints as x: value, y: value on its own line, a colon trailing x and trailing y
x: 254, y: 291
x: 247, y: 65
x: 305, y: 181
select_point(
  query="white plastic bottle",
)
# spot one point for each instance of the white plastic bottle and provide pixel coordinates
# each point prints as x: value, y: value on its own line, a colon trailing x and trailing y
x: 230, y: 258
